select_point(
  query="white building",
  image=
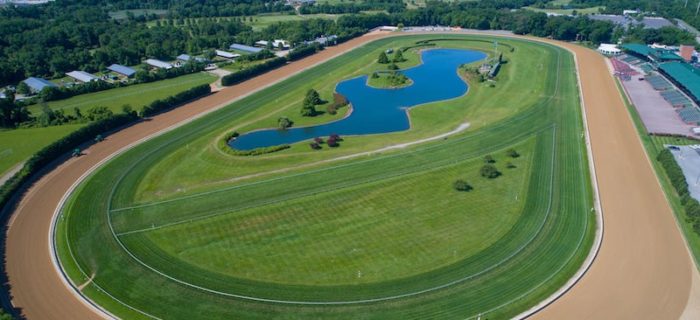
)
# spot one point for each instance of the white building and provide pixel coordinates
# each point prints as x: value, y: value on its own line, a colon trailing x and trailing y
x: 609, y: 49
x: 226, y: 54
x: 275, y: 44
x: 158, y: 64
x: 82, y: 76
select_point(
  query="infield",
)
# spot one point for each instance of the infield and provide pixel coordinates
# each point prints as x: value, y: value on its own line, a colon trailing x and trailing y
x: 169, y: 242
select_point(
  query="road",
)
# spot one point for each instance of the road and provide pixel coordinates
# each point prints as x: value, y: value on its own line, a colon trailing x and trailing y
x: 643, y: 270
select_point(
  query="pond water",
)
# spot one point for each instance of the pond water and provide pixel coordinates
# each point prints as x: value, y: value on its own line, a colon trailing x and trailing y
x: 379, y: 110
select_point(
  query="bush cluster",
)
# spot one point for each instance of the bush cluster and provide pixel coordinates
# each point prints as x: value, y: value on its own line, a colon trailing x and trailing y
x: 159, y: 106
x: 253, y: 71
x: 256, y: 151
x: 675, y: 175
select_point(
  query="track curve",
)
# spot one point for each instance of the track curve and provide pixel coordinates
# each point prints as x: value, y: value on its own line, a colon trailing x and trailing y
x: 642, y: 271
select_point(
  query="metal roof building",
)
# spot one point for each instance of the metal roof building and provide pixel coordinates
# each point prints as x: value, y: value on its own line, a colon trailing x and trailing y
x: 124, y: 70
x: 82, y: 76
x: 38, y: 84
x: 227, y: 55
x: 242, y: 47
x: 184, y: 57
x: 685, y: 75
x: 158, y: 64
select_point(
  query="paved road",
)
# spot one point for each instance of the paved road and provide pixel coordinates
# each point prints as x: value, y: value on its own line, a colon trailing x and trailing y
x: 643, y: 270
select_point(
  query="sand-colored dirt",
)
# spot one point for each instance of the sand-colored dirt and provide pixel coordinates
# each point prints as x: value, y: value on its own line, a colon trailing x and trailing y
x: 643, y: 270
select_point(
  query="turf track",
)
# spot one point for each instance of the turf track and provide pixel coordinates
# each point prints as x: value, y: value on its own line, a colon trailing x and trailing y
x: 546, y: 246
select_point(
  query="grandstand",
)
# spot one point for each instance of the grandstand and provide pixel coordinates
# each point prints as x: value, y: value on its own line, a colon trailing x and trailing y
x: 630, y: 59
x: 685, y: 76
x: 623, y: 70
x: 690, y: 115
x: 676, y: 99
x: 646, y: 67
x: 659, y: 83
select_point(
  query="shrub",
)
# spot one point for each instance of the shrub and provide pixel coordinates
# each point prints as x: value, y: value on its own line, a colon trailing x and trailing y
x: 489, y: 171
x: 510, y: 165
x: 489, y: 159
x: 303, y: 51
x: 461, y: 185
x: 512, y: 153
x: 393, y: 67
x: 318, y: 140
x: 677, y: 178
x: 171, y: 102
x: 332, y: 109
x: 255, y: 152
x: 253, y: 71
x: 284, y: 123
x: 332, y: 141
x: 315, y: 146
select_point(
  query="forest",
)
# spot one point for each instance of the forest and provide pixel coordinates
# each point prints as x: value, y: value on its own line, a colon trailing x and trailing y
x: 49, y: 40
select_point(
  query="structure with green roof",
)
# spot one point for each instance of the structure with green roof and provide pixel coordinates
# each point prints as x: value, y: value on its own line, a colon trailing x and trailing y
x: 649, y: 53
x: 685, y: 76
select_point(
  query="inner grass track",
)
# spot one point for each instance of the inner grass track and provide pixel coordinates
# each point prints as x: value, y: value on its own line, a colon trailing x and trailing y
x: 103, y: 234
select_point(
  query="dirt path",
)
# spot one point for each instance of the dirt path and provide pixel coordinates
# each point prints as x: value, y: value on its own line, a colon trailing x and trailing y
x: 643, y: 270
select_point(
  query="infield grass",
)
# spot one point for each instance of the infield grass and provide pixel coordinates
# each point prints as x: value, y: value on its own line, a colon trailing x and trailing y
x: 377, y: 237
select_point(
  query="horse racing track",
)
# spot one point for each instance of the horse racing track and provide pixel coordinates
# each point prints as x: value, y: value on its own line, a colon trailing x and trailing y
x: 379, y: 236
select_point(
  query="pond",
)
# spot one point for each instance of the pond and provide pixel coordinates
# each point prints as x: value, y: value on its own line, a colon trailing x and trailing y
x: 379, y: 110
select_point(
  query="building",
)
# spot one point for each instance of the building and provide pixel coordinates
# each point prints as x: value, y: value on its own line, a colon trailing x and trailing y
x: 276, y: 44
x: 388, y: 28
x: 227, y: 55
x: 626, y: 21
x: 609, y: 49
x: 244, y: 48
x: 629, y: 12
x: 82, y: 76
x: 184, y: 58
x: 685, y: 76
x: 324, y: 41
x: 652, y: 54
x: 123, y: 70
x: 38, y: 84
x: 158, y: 64
x: 686, y: 52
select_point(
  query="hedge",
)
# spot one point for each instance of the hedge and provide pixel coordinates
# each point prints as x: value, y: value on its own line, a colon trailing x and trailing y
x: 159, y: 106
x: 55, y: 150
x: 303, y: 51
x: 256, y: 70
x: 675, y: 174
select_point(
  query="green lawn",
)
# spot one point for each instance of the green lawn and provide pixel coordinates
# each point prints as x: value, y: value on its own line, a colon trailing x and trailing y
x: 185, y: 171
x: 18, y: 145
x: 381, y: 237
x: 137, y: 95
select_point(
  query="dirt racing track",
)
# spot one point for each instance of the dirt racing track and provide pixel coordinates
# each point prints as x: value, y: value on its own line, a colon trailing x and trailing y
x: 642, y: 271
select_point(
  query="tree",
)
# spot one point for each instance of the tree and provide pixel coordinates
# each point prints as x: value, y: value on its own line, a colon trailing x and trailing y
x: 383, y: 59
x: 393, y: 66
x: 512, y: 153
x: 284, y: 123
x: 461, y: 185
x: 398, y: 56
x: 332, y: 141
x: 510, y: 165
x: 313, y: 97
x: 489, y: 171
x: 308, y: 109
x: 489, y: 159
x: 23, y: 88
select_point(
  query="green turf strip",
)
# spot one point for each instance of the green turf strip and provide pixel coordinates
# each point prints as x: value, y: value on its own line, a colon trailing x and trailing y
x: 545, y: 245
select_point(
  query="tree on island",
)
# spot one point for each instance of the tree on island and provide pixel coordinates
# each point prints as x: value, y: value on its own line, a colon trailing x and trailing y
x: 308, y: 108
x: 398, y: 56
x: 383, y: 59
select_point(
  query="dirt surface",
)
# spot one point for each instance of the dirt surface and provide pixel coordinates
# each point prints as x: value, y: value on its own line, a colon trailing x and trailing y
x: 643, y: 270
